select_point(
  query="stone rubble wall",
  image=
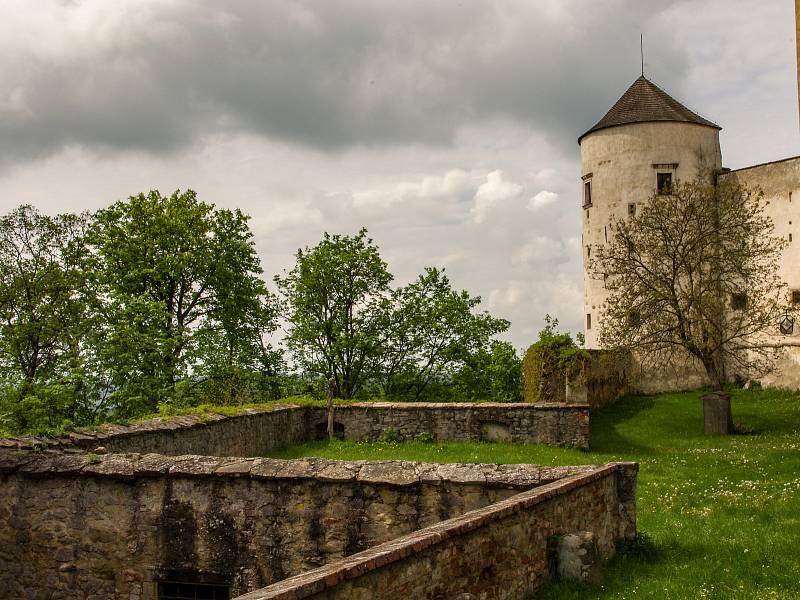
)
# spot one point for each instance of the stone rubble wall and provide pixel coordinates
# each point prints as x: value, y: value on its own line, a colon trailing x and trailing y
x: 78, y: 526
x: 256, y: 432
x: 520, y: 423
x: 501, y: 551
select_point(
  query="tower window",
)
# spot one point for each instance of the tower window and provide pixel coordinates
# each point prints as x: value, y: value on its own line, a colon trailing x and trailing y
x: 588, y: 320
x: 795, y: 297
x: 587, y: 193
x: 632, y: 209
x: 739, y: 301
x: 664, y: 183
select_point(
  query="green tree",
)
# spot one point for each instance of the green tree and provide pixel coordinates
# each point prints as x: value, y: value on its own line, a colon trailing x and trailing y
x: 431, y: 331
x: 335, y: 298
x: 490, y: 374
x: 43, y: 321
x: 172, y: 272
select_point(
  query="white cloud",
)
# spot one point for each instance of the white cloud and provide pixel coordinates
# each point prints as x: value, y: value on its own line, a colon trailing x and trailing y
x: 452, y: 185
x: 542, y: 199
x: 495, y: 191
x: 281, y: 216
x: 541, y: 249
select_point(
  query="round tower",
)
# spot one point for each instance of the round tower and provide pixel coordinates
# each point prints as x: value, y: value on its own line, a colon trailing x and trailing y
x: 645, y: 143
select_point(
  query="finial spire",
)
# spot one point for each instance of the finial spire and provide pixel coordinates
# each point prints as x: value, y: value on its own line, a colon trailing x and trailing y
x: 641, y: 50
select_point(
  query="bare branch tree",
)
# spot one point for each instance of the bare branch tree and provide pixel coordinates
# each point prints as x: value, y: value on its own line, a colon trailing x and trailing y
x: 695, y: 273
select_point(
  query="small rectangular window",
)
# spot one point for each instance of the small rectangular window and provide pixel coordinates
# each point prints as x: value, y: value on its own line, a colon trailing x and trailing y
x: 588, y: 320
x: 790, y: 238
x: 587, y: 193
x: 588, y: 252
x: 632, y: 209
x: 738, y: 301
x: 664, y: 183
x: 795, y: 297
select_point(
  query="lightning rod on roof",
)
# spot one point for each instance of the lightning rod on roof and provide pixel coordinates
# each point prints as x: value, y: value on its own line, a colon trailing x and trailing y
x: 641, y: 50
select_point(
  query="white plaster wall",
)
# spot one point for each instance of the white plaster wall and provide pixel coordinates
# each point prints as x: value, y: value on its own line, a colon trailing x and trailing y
x: 621, y: 160
x: 780, y: 182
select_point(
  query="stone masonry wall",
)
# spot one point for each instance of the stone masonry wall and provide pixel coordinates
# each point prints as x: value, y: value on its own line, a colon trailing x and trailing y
x: 559, y: 424
x: 75, y: 526
x: 256, y: 432
x: 497, y: 552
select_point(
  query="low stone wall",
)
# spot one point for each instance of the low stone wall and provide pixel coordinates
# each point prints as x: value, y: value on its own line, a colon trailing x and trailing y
x: 111, y: 527
x: 257, y: 432
x: 501, y: 551
x: 251, y: 433
x: 558, y: 424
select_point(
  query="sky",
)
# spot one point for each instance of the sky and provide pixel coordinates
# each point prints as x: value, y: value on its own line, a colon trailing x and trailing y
x: 449, y: 128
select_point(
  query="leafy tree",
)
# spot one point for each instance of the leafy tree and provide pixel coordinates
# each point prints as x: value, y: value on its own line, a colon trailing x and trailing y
x: 335, y: 298
x: 431, y: 331
x: 491, y: 374
x: 695, y: 273
x: 173, y: 272
x: 43, y: 321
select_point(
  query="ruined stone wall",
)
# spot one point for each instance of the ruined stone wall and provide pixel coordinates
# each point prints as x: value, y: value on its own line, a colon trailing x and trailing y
x: 559, y: 424
x: 500, y: 551
x: 97, y: 528
x: 251, y: 433
x: 257, y: 432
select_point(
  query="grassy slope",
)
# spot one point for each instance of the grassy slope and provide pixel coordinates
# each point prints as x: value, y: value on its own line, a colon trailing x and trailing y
x: 722, y: 514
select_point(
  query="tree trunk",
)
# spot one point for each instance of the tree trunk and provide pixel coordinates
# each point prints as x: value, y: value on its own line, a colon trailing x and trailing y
x: 331, y: 390
x: 717, y: 419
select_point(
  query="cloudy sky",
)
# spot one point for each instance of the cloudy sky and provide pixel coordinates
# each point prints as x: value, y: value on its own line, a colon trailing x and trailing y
x: 447, y: 128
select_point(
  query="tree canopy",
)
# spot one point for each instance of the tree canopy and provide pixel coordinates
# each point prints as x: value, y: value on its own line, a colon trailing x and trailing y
x: 695, y: 273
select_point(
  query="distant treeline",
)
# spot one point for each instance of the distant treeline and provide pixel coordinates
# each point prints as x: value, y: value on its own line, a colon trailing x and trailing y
x: 160, y: 301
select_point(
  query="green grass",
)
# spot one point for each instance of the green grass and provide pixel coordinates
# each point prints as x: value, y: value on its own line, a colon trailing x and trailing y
x: 721, y: 515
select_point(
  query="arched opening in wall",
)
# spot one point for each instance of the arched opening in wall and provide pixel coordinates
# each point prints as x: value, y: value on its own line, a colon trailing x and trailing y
x: 321, y: 430
x: 495, y: 431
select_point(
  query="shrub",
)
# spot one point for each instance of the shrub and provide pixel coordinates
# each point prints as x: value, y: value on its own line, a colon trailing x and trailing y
x: 547, y: 363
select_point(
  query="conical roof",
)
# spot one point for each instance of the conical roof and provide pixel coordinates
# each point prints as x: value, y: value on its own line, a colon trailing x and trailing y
x: 644, y: 101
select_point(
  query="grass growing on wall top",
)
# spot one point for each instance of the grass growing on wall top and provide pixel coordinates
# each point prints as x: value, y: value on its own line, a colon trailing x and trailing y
x: 721, y: 515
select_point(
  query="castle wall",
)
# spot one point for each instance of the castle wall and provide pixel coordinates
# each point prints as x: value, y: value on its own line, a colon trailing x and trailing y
x: 780, y: 182
x: 449, y: 560
x: 619, y: 162
x: 110, y: 527
x: 257, y: 432
x: 557, y: 424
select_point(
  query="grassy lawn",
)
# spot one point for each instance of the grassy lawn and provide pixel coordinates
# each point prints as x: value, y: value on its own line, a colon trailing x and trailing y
x: 720, y: 516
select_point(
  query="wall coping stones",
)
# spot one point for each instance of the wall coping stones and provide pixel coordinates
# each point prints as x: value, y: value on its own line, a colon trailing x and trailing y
x: 318, y: 580
x: 388, y: 472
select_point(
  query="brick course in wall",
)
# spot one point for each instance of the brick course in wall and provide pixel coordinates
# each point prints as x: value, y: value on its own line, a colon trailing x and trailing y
x: 500, y: 551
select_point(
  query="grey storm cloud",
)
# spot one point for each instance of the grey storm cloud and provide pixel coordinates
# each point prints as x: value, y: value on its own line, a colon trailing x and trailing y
x: 327, y: 75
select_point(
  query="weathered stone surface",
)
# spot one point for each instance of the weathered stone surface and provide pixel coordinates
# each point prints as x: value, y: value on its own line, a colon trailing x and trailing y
x: 497, y: 551
x: 256, y: 432
x: 577, y: 558
x: 112, y: 522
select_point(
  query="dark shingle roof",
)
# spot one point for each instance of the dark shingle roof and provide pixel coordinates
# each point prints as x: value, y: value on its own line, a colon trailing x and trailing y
x: 644, y: 101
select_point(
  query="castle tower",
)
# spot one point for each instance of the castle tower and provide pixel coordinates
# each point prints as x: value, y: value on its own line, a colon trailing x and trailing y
x: 646, y: 142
